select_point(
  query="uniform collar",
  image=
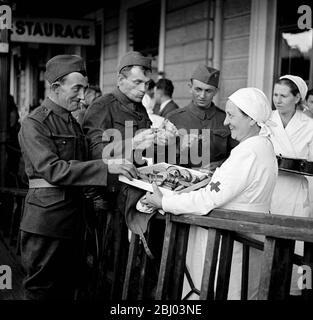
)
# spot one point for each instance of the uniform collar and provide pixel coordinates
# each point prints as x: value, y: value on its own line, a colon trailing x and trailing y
x: 58, y: 110
x: 124, y: 100
x: 202, y: 113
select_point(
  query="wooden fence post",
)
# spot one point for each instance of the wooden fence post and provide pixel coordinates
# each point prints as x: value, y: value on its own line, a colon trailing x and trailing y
x: 276, y: 269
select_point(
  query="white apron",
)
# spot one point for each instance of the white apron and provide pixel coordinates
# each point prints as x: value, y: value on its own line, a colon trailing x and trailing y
x: 245, y: 182
x: 291, y: 194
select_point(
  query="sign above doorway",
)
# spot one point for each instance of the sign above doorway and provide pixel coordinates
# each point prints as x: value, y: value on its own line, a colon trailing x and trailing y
x: 58, y: 31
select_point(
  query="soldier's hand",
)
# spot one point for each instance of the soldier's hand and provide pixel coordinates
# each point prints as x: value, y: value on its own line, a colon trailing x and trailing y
x: 144, y: 139
x: 123, y: 167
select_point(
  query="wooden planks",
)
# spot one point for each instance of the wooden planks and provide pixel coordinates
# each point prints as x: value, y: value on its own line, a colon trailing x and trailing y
x: 224, y: 268
x: 167, y: 253
x: 210, y: 263
x: 276, y: 269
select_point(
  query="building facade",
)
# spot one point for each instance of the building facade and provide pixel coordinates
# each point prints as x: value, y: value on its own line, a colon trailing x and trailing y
x: 252, y: 42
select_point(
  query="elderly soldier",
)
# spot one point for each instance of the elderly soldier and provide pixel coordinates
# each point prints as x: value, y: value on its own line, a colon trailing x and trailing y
x: 54, y: 149
x: 121, y: 112
x: 201, y: 113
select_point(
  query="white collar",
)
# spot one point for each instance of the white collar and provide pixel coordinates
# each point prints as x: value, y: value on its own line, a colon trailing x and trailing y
x: 163, y: 104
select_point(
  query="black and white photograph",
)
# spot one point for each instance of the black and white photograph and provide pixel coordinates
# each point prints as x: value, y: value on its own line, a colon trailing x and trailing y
x: 156, y: 156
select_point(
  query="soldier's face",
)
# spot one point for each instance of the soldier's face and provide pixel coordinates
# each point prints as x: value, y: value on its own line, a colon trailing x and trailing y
x: 202, y: 93
x: 133, y: 86
x: 239, y: 124
x: 71, y: 91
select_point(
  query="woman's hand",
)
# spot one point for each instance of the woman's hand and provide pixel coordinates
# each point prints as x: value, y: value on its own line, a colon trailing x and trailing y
x: 154, y: 199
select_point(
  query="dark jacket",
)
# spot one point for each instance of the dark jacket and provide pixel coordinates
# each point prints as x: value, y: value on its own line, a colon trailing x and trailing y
x: 194, y: 117
x: 113, y: 111
x: 55, y: 149
x: 171, y: 106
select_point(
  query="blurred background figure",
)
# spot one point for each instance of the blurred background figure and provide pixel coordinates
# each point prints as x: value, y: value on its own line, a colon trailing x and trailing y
x: 148, y: 99
x: 91, y: 93
x: 164, y: 103
x: 12, y: 145
x: 308, y: 109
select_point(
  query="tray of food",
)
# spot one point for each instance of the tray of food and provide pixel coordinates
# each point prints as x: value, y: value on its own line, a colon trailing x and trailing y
x: 169, y: 178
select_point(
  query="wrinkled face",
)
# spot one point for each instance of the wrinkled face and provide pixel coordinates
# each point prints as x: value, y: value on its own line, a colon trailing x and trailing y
x: 71, y: 91
x: 284, y: 101
x: 202, y: 93
x: 309, y: 102
x: 239, y: 124
x: 133, y: 86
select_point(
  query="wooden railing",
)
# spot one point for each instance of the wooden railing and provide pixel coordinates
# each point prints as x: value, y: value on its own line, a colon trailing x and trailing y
x: 140, y: 278
x: 224, y: 227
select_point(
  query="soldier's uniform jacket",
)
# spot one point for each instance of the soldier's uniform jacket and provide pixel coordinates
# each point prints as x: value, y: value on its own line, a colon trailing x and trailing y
x: 112, y: 111
x: 54, y: 146
x: 194, y: 117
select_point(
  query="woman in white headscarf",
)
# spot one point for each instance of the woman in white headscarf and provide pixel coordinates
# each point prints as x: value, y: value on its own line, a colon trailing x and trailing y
x: 245, y: 181
x: 292, y: 137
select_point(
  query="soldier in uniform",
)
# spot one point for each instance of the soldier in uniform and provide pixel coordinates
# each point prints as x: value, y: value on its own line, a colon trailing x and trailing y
x: 55, y: 149
x: 201, y: 113
x: 121, y: 109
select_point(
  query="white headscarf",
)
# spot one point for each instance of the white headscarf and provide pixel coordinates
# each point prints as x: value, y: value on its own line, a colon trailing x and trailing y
x: 299, y: 82
x: 254, y: 103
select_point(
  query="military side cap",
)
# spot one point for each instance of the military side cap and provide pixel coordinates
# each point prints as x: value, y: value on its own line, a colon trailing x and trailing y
x: 206, y: 75
x: 62, y: 65
x: 134, y: 58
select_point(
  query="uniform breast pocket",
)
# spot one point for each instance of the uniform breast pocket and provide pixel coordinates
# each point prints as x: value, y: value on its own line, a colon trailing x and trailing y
x: 66, y: 146
x: 46, y: 197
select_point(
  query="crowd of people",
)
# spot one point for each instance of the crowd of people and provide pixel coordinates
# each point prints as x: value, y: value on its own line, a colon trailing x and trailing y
x: 80, y: 138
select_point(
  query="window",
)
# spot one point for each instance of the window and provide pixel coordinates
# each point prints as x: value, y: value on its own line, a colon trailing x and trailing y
x: 294, y: 46
x: 143, y: 25
x: 93, y: 54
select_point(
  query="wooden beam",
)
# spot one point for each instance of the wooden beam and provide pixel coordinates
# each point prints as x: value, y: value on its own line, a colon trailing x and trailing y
x: 132, y: 256
x: 179, y: 262
x: 167, y: 253
x: 210, y: 263
x: 224, y: 268
x: 4, y: 93
x: 276, y: 269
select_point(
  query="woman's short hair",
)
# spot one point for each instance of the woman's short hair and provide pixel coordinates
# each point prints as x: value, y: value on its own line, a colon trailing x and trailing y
x: 292, y: 86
